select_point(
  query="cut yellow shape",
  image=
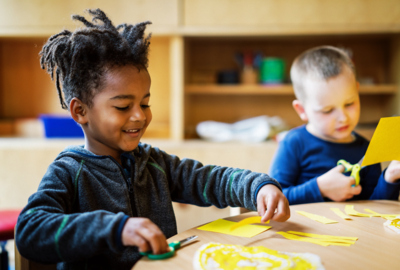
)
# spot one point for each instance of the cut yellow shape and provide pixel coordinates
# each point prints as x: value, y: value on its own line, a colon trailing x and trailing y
x: 385, y: 143
x: 385, y: 216
x: 318, y: 218
x: 334, y: 240
x: 340, y: 213
x: 246, y: 221
x: 349, y: 209
x: 223, y: 226
x: 324, y: 236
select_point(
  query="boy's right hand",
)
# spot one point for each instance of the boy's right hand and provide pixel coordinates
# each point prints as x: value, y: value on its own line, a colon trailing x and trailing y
x: 337, y: 186
x: 144, y: 234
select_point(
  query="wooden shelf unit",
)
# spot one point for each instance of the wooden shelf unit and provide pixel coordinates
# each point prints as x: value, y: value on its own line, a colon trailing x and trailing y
x: 192, y: 41
x: 205, y: 56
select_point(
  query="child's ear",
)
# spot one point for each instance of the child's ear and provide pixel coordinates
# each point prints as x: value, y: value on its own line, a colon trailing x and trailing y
x: 299, y: 108
x: 78, y: 111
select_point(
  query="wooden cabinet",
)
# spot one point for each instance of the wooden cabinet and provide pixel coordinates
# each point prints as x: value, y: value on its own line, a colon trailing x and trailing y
x: 291, y: 16
x: 46, y: 17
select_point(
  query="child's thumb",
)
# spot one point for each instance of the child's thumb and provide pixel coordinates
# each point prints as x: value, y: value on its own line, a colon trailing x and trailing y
x: 356, y: 190
x: 339, y: 168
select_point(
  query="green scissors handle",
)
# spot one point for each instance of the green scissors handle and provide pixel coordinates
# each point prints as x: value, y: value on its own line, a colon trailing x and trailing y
x: 355, y: 170
x: 172, y: 248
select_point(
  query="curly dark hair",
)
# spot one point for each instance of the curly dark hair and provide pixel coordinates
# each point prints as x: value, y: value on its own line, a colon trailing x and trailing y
x: 80, y: 58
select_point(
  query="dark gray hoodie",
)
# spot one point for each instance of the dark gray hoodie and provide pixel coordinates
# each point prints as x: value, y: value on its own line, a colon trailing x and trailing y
x: 76, y: 217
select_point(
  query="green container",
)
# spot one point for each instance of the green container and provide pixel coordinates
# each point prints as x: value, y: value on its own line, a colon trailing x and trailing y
x: 272, y: 70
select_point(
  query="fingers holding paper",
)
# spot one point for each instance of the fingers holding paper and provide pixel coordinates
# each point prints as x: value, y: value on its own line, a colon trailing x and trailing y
x: 272, y: 204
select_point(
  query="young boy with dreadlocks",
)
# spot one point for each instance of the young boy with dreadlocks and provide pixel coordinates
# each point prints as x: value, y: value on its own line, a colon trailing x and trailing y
x: 101, y: 203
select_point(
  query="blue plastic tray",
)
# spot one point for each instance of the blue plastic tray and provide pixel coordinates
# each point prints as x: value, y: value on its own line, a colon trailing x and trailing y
x: 61, y: 126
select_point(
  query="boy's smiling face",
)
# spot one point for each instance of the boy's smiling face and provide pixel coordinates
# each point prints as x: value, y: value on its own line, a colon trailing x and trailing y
x: 332, y: 107
x: 120, y: 112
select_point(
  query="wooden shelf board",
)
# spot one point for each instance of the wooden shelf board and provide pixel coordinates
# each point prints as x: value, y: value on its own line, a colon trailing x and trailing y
x: 284, y: 89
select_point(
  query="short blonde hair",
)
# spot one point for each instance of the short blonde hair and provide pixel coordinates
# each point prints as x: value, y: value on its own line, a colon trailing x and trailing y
x: 321, y: 63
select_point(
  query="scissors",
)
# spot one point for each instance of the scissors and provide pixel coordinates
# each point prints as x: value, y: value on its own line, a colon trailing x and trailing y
x: 353, y: 168
x: 172, y: 246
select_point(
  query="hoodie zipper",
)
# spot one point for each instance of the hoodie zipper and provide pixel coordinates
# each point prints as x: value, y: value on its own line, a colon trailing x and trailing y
x: 129, y: 184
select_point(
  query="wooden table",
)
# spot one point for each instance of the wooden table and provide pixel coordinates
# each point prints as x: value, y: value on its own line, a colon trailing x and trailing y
x: 377, y: 247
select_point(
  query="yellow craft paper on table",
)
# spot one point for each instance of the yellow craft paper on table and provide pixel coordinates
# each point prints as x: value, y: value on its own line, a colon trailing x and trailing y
x: 385, y: 216
x: 385, y: 143
x: 224, y: 226
x: 340, y: 213
x: 349, y: 209
x: 246, y: 221
x: 319, y: 239
x: 318, y: 218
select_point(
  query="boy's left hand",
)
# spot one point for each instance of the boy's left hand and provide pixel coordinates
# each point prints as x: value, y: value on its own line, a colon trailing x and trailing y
x: 392, y: 174
x: 272, y: 204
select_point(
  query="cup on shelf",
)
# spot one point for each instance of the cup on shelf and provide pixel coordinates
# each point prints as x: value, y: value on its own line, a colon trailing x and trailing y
x: 272, y: 70
x: 249, y: 75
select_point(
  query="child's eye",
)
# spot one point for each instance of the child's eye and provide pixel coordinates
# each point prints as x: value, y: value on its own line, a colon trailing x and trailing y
x: 121, y: 108
x: 349, y: 104
x: 327, y: 111
x: 144, y: 106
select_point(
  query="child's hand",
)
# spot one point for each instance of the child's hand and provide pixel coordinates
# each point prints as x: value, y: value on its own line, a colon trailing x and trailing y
x: 272, y: 204
x: 144, y: 234
x: 392, y: 174
x: 337, y: 186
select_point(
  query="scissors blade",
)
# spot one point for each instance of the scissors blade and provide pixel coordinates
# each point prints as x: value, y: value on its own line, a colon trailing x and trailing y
x: 186, y: 240
x: 361, y: 161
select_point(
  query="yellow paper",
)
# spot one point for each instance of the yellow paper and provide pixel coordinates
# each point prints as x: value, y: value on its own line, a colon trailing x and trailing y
x: 385, y: 143
x: 318, y: 218
x: 224, y: 226
x: 249, y: 220
x: 322, y: 240
x: 385, y: 216
x: 235, y: 257
x: 349, y: 209
x: 324, y: 236
x: 340, y: 213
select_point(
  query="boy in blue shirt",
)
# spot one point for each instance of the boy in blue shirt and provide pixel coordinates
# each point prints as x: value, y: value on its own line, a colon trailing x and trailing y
x: 305, y: 163
x: 101, y: 203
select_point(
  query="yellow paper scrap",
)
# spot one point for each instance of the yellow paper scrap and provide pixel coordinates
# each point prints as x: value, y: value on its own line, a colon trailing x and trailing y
x: 318, y: 218
x: 249, y: 220
x: 349, y: 209
x: 323, y: 240
x: 325, y: 236
x: 385, y: 143
x: 385, y: 216
x: 340, y: 213
x: 224, y: 226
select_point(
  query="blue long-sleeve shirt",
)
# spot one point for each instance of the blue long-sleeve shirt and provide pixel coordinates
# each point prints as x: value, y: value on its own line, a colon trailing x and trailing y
x: 301, y: 158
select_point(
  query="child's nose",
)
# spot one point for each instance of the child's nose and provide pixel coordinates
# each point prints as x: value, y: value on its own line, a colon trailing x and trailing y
x: 342, y: 115
x: 138, y: 114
